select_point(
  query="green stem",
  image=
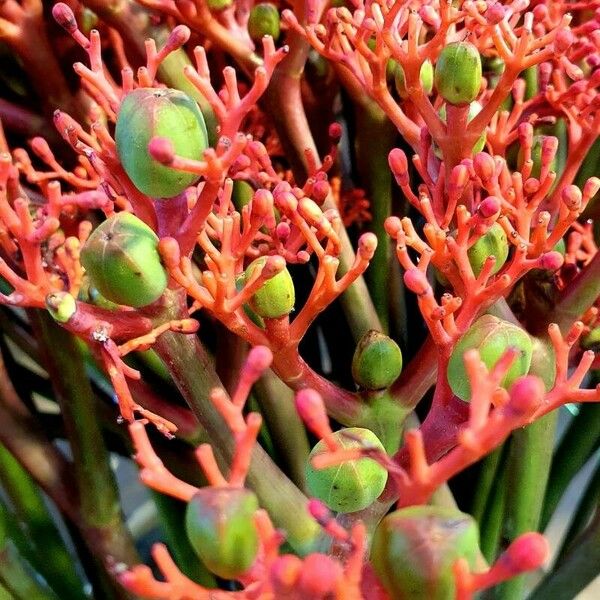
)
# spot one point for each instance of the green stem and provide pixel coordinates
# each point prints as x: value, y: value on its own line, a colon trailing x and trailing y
x: 580, y: 566
x: 5, y: 594
x: 528, y: 468
x: 576, y: 446
x: 276, y: 401
x: 485, y: 482
x: 375, y: 138
x: 57, y: 566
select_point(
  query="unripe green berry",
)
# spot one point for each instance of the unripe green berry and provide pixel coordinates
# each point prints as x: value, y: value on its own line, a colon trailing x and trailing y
x: 458, y: 73
x: 492, y: 337
x: 414, y: 550
x: 122, y: 261
x: 474, y: 110
x: 543, y: 362
x: 219, y: 523
x: 492, y: 243
x: 217, y: 5
x: 264, y: 20
x: 536, y: 157
x: 377, y: 361
x: 146, y: 113
x: 276, y: 297
x: 352, y: 485
x: 61, y: 306
x: 425, y: 77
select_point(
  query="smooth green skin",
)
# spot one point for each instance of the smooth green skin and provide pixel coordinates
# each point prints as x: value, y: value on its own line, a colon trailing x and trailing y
x: 276, y: 297
x: 264, y: 20
x: 425, y: 77
x: 492, y: 337
x: 543, y: 362
x: 474, y: 109
x: 122, y: 261
x: 592, y: 340
x: 536, y: 157
x: 219, y: 4
x: 352, y: 485
x: 377, y: 361
x: 146, y: 113
x: 414, y: 549
x: 493, y: 243
x: 458, y: 73
x: 219, y: 523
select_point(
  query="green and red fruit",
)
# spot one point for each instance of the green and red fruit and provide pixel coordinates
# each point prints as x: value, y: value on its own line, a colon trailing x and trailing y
x: 458, y: 73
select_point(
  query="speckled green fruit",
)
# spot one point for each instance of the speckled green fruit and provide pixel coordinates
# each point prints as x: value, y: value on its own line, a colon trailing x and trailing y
x: 352, y: 485
x: 219, y: 523
x: 425, y: 76
x: 458, y: 73
x: 536, y: 157
x: 492, y: 337
x: 415, y: 548
x: 146, y: 113
x: 122, y: 261
x: 377, y: 361
x: 492, y: 243
x: 474, y: 110
x: 276, y: 297
x: 264, y: 20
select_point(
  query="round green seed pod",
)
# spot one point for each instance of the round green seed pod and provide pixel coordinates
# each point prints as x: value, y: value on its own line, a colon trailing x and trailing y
x: 264, y: 20
x: 458, y: 73
x: 415, y: 548
x: 536, y: 157
x: 122, y: 261
x: 352, y: 485
x: 492, y: 337
x: 276, y: 297
x: 474, y: 110
x: 377, y: 361
x: 425, y: 77
x: 493, y: 243
x: 146, y: 113
x: 219, y: 523
x: 217, y: 5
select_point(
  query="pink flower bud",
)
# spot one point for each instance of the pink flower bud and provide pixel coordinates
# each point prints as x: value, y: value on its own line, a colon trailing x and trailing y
x: 571, y: 196
x: 495, y: 13
x: 162, y: 150
x: 489, y: 207
x: 591, y: 187
x: 526, y: 394
x: 416, y: 281
x: 399, y: 166
x: 563, y: 41
x: 320, y: 191
x: 484, y: 166
x: 527, y: 552
x: 552, y: 261
x: 64, y: 16
x: 262, y: 203
x: 311, y: 409
x: 259, y: 359
x: 319, y: 576
x: 335, y: 133
x: 367, y: 244
x: 459, y: 177
x: 283, y: 231
x: 393, y: 226
x: 177, y: 38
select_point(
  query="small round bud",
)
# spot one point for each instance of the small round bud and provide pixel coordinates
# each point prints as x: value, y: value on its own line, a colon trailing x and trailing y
x: 458, y: 73
x: 414, y: 550
x: 377, y: 361
x: 492, y: 243
x: 172, y: 116
x: 122, y: 261
x: 425, y: 77
x: 61, y: 306
x: 492, y: 337
x: 219, y: 523
x: 264, y: 20
x: 352, y: 485
x: 276, y: 297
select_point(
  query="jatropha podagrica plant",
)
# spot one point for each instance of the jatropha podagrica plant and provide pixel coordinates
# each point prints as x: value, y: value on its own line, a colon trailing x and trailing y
x: 242, y: 230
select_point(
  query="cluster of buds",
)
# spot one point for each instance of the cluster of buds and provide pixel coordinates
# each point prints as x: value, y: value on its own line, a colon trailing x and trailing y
x: 201, y: 222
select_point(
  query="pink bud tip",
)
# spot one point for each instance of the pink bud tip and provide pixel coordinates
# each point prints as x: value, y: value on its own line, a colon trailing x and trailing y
x: 259, y: 358
x: 262, y: 203
x: 459, y: 177
x: 319, y: 576
x: 335, y: 133
x: 318, y: 510
x: 274, y: 265
x: 571, y: 196
x: 283, y: 231
x: 393, y: 225
x: 162, y: 150
x: 320, y: 191
x: 563, y: 40
x: 591, y: 187
x: 64, y: 16
x: 179, y: 36
x: 309, y: 405
x: 495, y: 13
x: 552, y: 261
x: 416, y: 281
x: 399, y: 166
x: 367, y: 244
x: 526, y: 394
x: 489, y: 207
x: 528, y: 552
x: 484, y: 166
x: 40, y: 146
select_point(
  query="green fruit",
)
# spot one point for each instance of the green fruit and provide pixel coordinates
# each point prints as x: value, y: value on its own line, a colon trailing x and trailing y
x: 377, y: 361
x: 536, y: 157
x: 122, y: 261
x: 258, y: 321
x: 415, y: 548
x: 146, y: 113
x: 474, y: 110
x: 352, y: 485
x: 591, y: 341
x: 543, y: 362
x: 425, y: 76
x: 219, y: 523
x: 560, y: 246
x: 242, y: 194
x: 61, y: 306
x: 458, y: 73
x: 276, y: 297
x: 219, y: 4
x: 492, y: 337
x: 264, y: 20
x: 493, y: 243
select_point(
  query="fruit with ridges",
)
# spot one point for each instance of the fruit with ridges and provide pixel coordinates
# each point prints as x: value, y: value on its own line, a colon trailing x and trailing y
x: 458, y: 73
x: 276, y: 297
x: 146, y: 113
x: 122, y: 261
x: 414, y: 550
x: 219, y: 523
x: 492, y: 243
x: 377, y: 361
x: 352, y: 485
x: 492, y: 337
